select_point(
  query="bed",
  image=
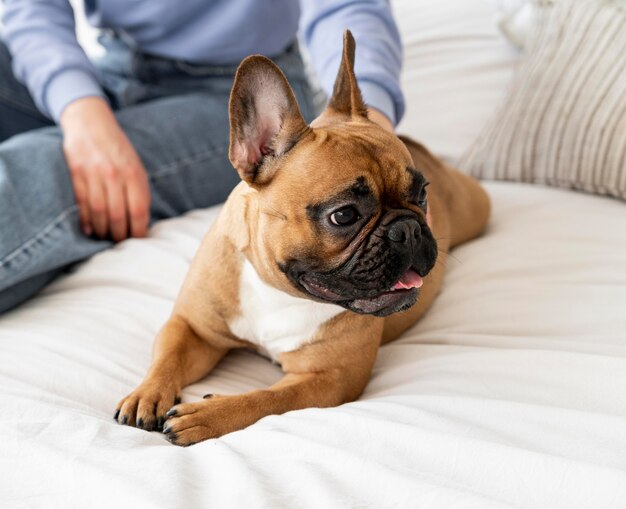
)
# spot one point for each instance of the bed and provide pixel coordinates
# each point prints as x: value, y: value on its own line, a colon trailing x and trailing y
x: 511, y: 392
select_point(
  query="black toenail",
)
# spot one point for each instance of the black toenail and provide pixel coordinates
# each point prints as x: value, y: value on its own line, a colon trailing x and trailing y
x: 171, y: 437
x: 171, y: 412
x: 140, y: 423
x: 160, y: 422
x: 123, y: 421
x: 116, y: 415
x: 167, y: 429
x: 207, y: 396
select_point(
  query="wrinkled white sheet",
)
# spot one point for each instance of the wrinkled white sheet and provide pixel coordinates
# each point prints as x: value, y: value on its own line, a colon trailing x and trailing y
x: 510, y: 392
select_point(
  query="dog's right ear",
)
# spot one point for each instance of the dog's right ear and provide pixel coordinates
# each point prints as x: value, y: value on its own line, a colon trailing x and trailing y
x: 265, y: 121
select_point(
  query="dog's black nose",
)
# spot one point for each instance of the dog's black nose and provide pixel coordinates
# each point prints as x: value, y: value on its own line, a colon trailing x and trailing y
x: 404, y: 230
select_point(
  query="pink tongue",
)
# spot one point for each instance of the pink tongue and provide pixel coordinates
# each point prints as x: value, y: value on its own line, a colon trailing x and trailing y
x: 410, y: 279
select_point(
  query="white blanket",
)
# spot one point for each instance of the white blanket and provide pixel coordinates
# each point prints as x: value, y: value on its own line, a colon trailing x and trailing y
x: 509, y: 393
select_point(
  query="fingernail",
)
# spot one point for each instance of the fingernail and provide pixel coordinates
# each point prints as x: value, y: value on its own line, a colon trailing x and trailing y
x: 167, y: 429
x: 171, y: 412
x: 207, y: 396
x: 117, y: 413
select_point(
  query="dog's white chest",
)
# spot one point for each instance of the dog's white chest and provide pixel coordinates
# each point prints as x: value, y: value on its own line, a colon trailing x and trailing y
x: 275, y: 321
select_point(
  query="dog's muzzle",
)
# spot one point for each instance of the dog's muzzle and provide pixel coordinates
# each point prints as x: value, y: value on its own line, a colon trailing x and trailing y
x: 384, y: 273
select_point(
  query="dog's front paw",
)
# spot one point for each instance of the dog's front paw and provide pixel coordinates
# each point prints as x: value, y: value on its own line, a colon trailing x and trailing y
x: 190, y: 423
x: 147, y: 405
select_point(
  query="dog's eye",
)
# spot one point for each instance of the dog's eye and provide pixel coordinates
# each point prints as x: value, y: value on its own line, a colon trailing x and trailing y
x: 345, y: 216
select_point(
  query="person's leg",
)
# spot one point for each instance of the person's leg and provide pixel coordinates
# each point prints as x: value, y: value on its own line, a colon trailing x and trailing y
x: 18, y: 112
x: 39, y: 230
x: 183, y: 143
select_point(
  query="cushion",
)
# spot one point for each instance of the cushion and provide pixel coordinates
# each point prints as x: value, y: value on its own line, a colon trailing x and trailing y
x: 563, y: 122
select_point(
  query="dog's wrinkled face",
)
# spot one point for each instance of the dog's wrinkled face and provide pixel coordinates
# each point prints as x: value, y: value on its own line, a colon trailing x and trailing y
x: 341, y: 209
x: 355, y: 230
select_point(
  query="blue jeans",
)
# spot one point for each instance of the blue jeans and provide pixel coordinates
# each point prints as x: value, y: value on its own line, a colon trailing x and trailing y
x: 175, y: 115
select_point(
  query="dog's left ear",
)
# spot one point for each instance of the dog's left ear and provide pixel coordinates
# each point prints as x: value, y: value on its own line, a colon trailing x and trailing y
x: 265, y: 121
x: 346, y: 98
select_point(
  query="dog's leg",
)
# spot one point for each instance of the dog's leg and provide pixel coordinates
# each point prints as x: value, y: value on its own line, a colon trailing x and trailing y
x: 180, y: 358
x: 321, y: 374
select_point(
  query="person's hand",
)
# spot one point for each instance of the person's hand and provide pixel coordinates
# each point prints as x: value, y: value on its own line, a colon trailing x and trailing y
x: 380, y: 118
x: 109, y: 180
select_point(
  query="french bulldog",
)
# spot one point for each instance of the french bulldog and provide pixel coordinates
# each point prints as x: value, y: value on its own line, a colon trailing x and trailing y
x: 328, y: 248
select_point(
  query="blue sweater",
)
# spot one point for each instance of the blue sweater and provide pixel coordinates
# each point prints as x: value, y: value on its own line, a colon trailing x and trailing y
x: 47, y: 58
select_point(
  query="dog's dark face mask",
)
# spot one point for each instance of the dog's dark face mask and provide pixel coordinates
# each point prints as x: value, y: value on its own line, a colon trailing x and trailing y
x: 389, y: 249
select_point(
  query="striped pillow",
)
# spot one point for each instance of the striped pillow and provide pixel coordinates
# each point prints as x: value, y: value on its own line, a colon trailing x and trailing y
x: 564, y: 119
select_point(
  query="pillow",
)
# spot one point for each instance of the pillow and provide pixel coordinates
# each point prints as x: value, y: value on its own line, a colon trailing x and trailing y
x: 563, y: 122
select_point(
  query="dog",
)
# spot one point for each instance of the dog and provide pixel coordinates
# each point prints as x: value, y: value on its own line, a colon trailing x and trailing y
x: 326, y: 250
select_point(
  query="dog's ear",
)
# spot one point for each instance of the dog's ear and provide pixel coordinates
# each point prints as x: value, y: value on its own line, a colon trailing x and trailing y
x: 346, y: 98
x: 265, y: 121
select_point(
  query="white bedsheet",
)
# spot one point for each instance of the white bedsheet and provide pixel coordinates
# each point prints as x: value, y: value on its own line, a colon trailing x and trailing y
x: 510, y: 392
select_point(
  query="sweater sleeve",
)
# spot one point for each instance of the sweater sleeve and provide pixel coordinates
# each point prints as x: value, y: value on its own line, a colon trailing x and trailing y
x: 47, y: 57
x: 378, y: 48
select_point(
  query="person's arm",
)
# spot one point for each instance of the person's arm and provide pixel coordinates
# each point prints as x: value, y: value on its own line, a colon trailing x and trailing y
x: 378, y: 50
x: 108, y: 178
x: 47, y: 58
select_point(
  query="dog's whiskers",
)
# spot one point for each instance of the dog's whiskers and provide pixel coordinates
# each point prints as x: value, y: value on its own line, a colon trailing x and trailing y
x: 443, y: 262
x: 274, y: 213
x: 448, y: 253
